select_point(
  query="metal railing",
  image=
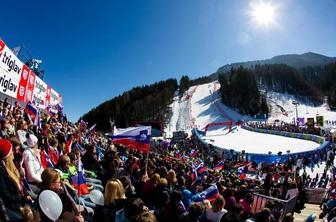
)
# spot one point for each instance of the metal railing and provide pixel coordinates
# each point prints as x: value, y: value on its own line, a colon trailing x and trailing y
x: 260, y: 201
x: 316, y: 195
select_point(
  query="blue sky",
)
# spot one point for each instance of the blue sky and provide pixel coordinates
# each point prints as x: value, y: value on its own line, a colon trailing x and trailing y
x: 95, y: 50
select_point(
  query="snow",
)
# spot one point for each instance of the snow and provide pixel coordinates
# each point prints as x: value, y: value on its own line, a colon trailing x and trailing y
x: 253, y: 142
x: 304, y: 110
x: 202, y: 105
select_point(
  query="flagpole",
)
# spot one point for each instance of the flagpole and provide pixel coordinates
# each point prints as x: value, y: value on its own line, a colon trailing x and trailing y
x: 146, y: 162
x: 78, y: 187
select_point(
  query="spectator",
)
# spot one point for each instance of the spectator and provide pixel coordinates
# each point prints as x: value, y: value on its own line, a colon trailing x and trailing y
x: 114, y: 197
x: 32, y: 161
x: 215, y: 213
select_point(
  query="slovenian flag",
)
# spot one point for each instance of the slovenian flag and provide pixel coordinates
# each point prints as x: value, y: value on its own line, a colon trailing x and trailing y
x: 210, y: 193
x: 242, y: 172
x: 69, y: 144
x: 200, y: 169
x: 219, y: 166
x: 33, y: 112
x: 193, y: 174
x: 137, y: 138
x: 78, y: 181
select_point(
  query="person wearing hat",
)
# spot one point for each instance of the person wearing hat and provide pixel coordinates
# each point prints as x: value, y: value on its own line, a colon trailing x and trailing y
x: 32, y: 160
x: 11, y: 190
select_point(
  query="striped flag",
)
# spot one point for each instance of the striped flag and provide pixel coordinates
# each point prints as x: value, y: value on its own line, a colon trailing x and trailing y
x: 193, y: 174
x: 210, y: 193
x: 200, y: 169
x: 242, y: 172
x: 79, y: 181
x: 33, y: 112
x: 219, y: 166
x: 137, y: 138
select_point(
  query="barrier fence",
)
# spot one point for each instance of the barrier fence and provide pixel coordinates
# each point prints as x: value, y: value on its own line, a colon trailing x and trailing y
x: 257, y: 158
x: 286, y: 206
x: 317, y: 139
x: 316, y: 195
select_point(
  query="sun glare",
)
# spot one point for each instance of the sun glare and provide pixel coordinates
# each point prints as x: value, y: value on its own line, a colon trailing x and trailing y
x: 262, y: 13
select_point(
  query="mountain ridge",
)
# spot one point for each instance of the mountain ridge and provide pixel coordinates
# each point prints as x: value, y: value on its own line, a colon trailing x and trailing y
x: 295, y: 60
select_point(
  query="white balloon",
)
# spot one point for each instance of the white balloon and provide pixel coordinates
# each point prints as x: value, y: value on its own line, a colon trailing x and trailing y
x: 97, y: 197
x: 51, y: 204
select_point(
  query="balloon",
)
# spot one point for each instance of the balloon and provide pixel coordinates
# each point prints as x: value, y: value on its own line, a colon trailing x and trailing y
x: 311, y: 217
x: 51, y: 204
x: 97, y: 197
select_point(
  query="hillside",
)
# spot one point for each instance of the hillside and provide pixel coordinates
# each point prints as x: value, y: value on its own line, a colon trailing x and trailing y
x: 308, y: 77
x: 202, y: 105
x: 145, y: 103
x: 294, y: 60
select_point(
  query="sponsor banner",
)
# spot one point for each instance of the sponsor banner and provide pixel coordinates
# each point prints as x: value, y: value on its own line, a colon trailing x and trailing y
x: 300, y: 121
x: 310, y: 122
x: 18, y: 81
x: 2, y: 45
x: 320, y: 120
x: 10, y: 71
x: 48, y: 94
x: 60, y: 98
x: 53, y: 97
x: 30, y: 87
x: 21, y: 94
x: 40, y: 93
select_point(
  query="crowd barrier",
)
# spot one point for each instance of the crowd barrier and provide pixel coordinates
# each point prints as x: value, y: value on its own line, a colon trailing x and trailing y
x: 259, y: 203
x: 317, y: 139
x: 316, y: 195
x: 257, y: 158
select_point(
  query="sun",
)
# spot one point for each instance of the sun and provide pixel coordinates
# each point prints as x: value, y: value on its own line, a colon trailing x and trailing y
x: 263, y: 13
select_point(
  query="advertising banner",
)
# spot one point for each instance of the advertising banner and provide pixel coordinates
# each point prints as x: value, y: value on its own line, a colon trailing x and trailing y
x: 10, y: 71
x: 30, y: 87
x: 19, y: 82
x: 53, y: 97
x: 310, y: 122
x: 320, y: 120
x: 40, y: 93
x: 48, y: 95
x: 21, y: 94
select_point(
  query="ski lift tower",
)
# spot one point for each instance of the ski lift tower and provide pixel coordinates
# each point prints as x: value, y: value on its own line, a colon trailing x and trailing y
x: 295, y: 103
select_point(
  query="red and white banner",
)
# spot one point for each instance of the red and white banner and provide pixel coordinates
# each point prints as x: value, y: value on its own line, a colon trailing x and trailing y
x: 30, y: 86
x: 19, y: 82
x: 48, y: 94
x: 10, y: 71
x: 21, y: 94
x: 40, y: 93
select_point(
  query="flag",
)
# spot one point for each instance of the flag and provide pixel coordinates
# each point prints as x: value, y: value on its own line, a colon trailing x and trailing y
x: 52, y: 112
x: 34, y: 113
x: 69, y: 144
x: 210, y: 193
x: 200, y: 169
x: 193, y: 174
x: 219, y: 166
x: 45, y: 160
x: 193, y: 152
x: 242, y: 172
x: 78, y: 181
x: 59, y: 107
x: 200, y: 182
x: 137, y: 138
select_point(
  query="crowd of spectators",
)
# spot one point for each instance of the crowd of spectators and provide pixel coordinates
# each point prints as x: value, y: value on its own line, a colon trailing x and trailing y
x: 166, y: 186
x: 287, y: 127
